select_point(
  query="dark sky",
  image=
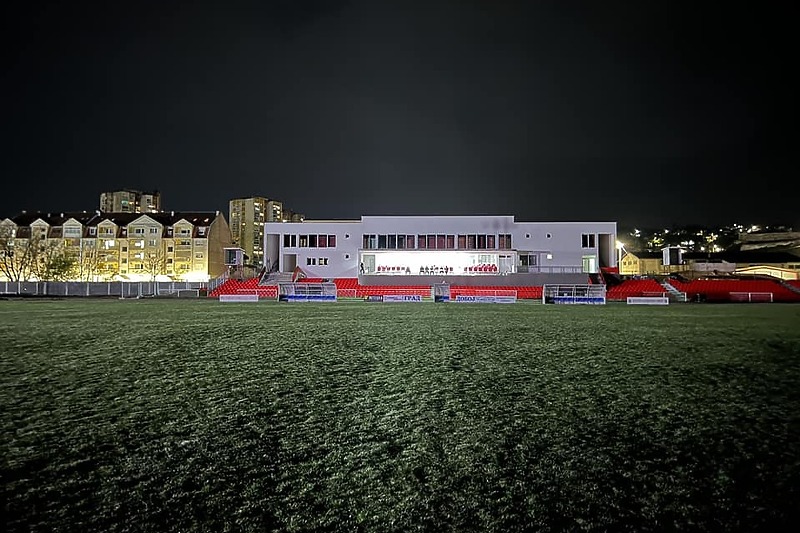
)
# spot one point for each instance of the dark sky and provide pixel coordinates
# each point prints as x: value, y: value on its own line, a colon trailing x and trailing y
x: 648, y: 113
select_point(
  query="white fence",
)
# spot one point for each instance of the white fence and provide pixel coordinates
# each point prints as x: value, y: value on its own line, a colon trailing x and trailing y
x: 120, y: 289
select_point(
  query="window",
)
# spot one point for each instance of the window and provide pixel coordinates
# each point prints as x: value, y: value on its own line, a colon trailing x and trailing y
x: 588, y: 240
x: 527, y: 235
x: 332, y: 241
x: 471, y: 242
x: 381, y: 242
x: 549, y: 235
x: 124, y: 248
x: 369, y: 242
x: 170, y: 249
x: 462, y: 242
x: 198, y: 255
x: 184, y: 242
x: 138, y: 231
x: 431, y: 242
x: 322, y: 241
x: 421, y: 242
x: 490, y: 242
x: 401, y: 242
x: 92, y: 231
x: 152, y: 242
x: 441, y: 242
x: 504, y: 241
x: 392, y: 242
x: 303, y: 241
x: 312, y: 241
x: 481, y: 242
x: 169, y: 261
x: 154, y: 231
x: 323, y: 261
x: 409, y: 242
x: 286, y: 241
x: 451, y: 242
x: 124, y: 260
x: 311, y: 261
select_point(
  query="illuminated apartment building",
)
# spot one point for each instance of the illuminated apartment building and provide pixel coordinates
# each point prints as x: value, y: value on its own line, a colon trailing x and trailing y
x: 130, y: 201
x: 184, y: 246
x: 247, y: 217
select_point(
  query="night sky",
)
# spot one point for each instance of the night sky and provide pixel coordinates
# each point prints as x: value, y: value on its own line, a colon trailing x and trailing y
x: 647, y: 113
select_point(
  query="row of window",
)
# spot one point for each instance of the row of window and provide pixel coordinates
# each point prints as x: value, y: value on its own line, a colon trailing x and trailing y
x: 168, y: 261
x: 178, y: 268
x: 309, y: 241
x: 437, y: 242
x: 316, y: 261
x: 105, y: 232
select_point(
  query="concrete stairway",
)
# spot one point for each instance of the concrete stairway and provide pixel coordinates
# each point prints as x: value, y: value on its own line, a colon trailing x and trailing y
x: 674, y: 294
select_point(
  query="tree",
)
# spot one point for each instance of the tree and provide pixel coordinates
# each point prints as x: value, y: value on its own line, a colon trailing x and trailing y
x: 18, y: 256
x: 155, y: 263
x: 88, y: 264
x: 54, y: 263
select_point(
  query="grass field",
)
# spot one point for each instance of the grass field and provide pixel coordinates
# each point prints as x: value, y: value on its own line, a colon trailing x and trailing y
x: 152, y: 415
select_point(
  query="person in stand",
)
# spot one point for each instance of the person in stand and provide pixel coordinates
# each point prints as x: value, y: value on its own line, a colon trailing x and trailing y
x: 362, y: 268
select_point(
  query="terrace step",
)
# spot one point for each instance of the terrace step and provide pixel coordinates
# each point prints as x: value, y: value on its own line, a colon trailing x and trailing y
x: 674, y: 294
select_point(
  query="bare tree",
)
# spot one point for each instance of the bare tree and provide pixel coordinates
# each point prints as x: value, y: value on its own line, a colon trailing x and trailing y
x: 53, y: 262
x: 18, y: 256
x: 155, y: 263
x: 88, y: 265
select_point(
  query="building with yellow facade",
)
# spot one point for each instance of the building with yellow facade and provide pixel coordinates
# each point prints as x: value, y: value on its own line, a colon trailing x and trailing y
x: 779, y: 264
x: 180, y: 246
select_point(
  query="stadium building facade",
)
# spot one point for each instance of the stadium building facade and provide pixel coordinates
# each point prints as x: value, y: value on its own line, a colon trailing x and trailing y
x: 464, y: 250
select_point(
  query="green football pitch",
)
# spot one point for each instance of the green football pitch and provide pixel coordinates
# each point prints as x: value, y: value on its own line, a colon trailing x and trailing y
x: 196, y: 415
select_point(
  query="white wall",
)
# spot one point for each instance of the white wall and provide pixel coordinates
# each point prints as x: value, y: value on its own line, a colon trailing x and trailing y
x: 561, y: 240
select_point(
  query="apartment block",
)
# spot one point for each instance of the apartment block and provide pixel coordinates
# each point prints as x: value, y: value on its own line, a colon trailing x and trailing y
x: 247, y: 217
x: 181, y: 246
x: 130, y: 201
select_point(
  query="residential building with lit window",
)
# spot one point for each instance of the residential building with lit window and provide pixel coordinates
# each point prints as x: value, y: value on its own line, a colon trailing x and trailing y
x: 185, y: 246
x: 130, y: 201
x: 247, y: 217
x: 461, y: 249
